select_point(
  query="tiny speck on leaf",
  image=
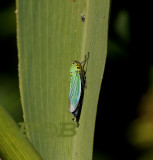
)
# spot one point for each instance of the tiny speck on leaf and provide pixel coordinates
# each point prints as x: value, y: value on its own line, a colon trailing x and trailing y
x: 83, y: 17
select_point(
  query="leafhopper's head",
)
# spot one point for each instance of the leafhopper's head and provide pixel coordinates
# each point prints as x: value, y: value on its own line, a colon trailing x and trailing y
x: 77, y: 65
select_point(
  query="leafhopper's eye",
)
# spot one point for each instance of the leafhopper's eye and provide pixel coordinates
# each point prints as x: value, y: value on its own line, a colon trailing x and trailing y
x: 78, y: 67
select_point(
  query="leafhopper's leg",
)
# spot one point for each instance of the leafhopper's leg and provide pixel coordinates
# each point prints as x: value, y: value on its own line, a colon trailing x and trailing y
x: 84, y: 62
x: 73, y: 118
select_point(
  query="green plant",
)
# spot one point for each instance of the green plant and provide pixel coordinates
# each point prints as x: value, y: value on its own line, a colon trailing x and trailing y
x: 50, y: 36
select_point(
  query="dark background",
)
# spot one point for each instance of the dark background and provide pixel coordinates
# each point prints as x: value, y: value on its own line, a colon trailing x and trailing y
x: 125, y: 102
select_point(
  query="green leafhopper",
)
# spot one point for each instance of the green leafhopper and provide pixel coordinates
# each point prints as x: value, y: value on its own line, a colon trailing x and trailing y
x: 77, y: 84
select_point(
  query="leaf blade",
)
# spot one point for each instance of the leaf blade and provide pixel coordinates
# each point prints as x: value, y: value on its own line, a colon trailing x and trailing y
x: 51, y: 36
x: 13, y: 144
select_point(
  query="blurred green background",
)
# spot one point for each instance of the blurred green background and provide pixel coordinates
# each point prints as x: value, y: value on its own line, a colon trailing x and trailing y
x: 124, y: 125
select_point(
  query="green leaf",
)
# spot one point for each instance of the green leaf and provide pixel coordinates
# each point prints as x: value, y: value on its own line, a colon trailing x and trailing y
x: 51, y: 35
x: 13, y: 144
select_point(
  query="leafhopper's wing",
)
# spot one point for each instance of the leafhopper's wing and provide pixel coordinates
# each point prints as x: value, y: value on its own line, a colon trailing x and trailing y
x: 75, y: 91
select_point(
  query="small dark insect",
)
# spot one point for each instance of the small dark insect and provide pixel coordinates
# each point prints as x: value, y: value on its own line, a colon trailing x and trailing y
x: 82, y: 17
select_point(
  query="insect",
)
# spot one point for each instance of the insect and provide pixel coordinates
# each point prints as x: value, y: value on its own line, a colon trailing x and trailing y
x: 77, y: 84
x: 82, y: 17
